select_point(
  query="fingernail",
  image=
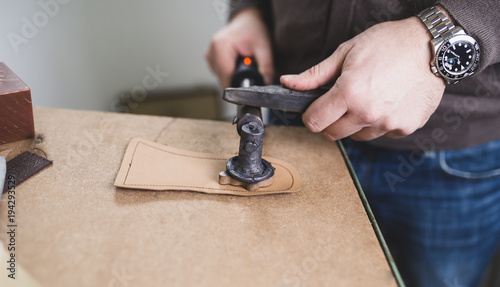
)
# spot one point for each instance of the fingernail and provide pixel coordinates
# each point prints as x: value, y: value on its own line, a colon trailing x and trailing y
x: 289, y: 77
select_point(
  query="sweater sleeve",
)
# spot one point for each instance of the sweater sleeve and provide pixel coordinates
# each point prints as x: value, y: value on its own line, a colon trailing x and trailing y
x: 238, y: 5
x: 481, y: 20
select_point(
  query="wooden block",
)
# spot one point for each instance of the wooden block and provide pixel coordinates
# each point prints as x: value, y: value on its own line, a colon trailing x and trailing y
x: 16, y: 110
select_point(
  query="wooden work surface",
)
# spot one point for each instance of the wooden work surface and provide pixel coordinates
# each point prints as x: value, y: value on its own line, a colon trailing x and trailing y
x: 76, y: 229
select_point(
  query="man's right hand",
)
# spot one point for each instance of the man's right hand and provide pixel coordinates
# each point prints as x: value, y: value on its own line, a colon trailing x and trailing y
x: 245, y: 35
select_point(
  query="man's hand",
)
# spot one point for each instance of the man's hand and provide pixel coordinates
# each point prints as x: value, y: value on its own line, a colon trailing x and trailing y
x: 245, y: 35
x: 383, y: 84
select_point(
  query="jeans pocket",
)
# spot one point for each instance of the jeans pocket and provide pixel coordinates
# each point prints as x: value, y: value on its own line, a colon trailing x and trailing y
x: 479, y: 162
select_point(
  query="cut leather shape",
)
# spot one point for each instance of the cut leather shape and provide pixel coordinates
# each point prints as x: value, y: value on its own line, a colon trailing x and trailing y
x: 152, y: 166
x: 25, y: 166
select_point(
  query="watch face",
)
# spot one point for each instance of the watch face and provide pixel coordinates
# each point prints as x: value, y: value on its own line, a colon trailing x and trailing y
x: 458, y: 57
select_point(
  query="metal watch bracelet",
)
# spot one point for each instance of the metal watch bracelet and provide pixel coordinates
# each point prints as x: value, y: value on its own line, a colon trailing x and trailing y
x: 439, y: 25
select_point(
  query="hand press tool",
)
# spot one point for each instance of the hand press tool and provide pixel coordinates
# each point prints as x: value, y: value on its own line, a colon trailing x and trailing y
x: 248, y: 168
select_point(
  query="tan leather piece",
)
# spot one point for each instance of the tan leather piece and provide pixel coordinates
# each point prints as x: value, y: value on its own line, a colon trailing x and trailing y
x: 152, y: 166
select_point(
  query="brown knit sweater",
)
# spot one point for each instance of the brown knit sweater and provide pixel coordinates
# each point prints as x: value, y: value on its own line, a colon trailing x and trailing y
x: 306, y: 32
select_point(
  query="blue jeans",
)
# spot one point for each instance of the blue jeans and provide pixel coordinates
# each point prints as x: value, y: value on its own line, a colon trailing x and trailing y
x: 438, y: 210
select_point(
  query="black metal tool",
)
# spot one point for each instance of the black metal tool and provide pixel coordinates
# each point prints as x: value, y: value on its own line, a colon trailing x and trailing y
x: 273, y: 97
x: 248, y: 168
x: 246, y: 73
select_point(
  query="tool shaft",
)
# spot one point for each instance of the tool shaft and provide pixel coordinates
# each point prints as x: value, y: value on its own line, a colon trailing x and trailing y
x: 249, y: 167
x: 247, y: 114
x: 250, y: 152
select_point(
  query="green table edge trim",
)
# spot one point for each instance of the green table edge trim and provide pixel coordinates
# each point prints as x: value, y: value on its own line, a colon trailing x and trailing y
x: 373, y: 221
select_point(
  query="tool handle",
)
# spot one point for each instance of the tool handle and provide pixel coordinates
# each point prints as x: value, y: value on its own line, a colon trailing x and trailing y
x: 246, y: 73
x: 274, y: 97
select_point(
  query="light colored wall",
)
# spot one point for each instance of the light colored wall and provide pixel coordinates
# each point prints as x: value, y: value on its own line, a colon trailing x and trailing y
x: 84, y: 53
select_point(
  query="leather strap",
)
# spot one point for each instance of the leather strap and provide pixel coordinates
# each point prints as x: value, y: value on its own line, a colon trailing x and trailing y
x: 152, y: 166
x: 25, y: 166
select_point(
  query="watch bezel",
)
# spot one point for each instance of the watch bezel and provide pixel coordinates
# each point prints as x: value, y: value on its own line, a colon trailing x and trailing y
x: 452, y: 77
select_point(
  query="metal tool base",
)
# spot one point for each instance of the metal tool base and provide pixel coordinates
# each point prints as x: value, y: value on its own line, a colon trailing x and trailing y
x: 226, y: 179
x: 242, y: 173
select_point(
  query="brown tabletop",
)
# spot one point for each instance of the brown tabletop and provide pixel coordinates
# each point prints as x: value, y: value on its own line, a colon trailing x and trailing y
x: 74, y: 228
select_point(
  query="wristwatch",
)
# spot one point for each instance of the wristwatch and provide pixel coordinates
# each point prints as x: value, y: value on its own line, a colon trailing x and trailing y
x: 455, y: 54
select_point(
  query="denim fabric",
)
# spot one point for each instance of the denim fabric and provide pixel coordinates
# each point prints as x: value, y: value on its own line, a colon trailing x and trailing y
x: 439, y: 210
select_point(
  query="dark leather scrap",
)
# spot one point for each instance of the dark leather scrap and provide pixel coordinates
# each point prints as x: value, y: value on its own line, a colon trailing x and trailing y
x: 25, y: 166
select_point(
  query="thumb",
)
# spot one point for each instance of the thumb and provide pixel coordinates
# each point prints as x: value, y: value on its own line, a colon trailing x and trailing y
x: 320, y: 74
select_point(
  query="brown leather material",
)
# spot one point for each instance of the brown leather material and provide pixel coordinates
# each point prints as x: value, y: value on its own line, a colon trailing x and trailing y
x: 152, y: 166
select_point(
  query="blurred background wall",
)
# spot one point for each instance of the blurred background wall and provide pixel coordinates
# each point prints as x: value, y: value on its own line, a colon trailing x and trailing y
x: 87, y: 54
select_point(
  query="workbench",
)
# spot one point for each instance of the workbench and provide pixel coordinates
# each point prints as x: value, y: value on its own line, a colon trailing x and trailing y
x: 74, y: 228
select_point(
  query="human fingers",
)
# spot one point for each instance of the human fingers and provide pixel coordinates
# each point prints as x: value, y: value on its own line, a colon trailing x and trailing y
x: 264, y: 58
x: 221, y: 57
x: 367, y: 134
x: 320, y: 74
x: 342, y: 128
x: 325, y: 110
